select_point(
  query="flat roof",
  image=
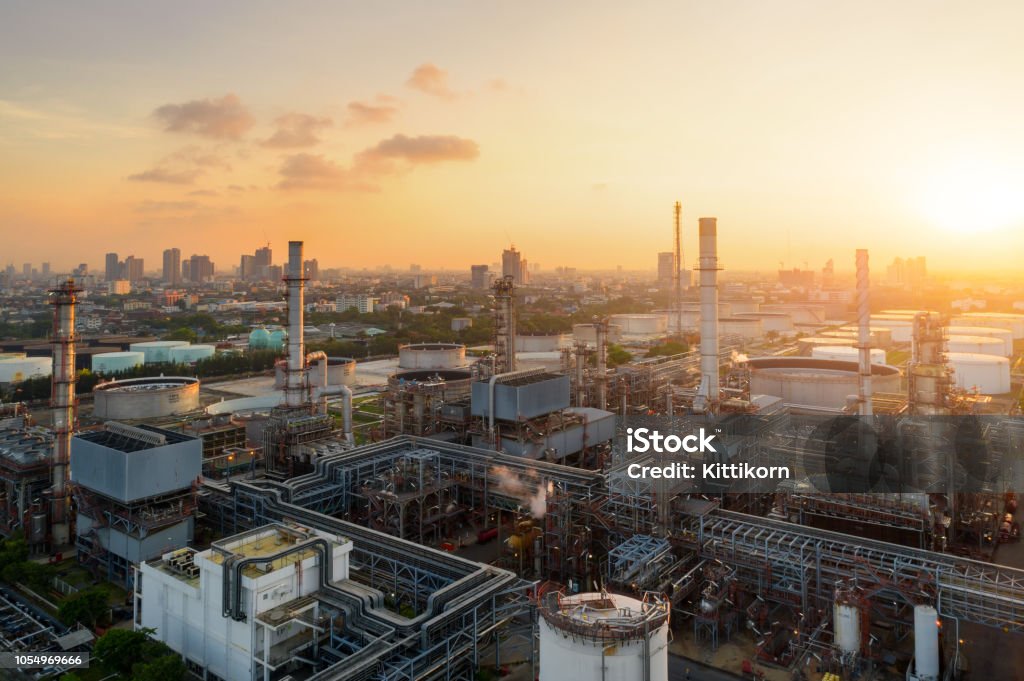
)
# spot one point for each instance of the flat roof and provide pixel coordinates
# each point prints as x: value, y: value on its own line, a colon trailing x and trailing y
x: 130, y: 439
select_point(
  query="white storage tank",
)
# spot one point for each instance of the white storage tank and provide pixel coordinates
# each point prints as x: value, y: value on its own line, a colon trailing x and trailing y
x: 603, y: 636
x: 1004, y: 335
x: 542, y: 343
x: 807, y: 344
x: 815, y: 383
x: 145, y: 398
x: 431, y: 356
x: 847, y: 353
x: 926, y: 665
x: 881, y: 336
x: 1000, y: 320
x: 340, y: 371
x: 982, y: 345
x: 641, y: 324
x: 901, y: 326
x: 156, y: 352
x: 116, y: 362
x: 846, y: 626
x: 18, y: 369
x: 586, y: 333
x: 748, y: 328
x: 190, y: 354
x: 989, y: 374
x: 779, y: 322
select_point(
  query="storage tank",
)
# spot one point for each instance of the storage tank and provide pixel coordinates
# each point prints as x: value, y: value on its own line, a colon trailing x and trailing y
x: 116, y: 362
x: 277, y: 339
x: 807, y: 344
x: 982, y: 345
x: 641, y: 324
x: 157, y: 352
x: 586, y: 333
x: 846, y: 353
x: 901, y: 326
x: 926, y: 644
x: 340, y: 371
x: 1004, y: 335
x: 748, y: 328
x: 1000, y: 320
x: 881, y: 336
x: 741, y: 307
x: 190, y: 354
x: 779, y: 322
x: 37, y: 532
x: 846, y: 626
x: 603, y: 636
x: 18, y: 369
x: 989, y: 374
x: 815, y: 383
x: 431, y: 356
x: 542, y: 342
x: 145, y: 398
x: 259, y: 339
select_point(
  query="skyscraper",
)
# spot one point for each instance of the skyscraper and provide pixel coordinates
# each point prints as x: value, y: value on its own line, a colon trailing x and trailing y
x: 264, y: 259
x: 312, y: 269
x: 199, y: 269
x: 132, y: 268
x: 666, y: 268
x: 172, y: 266
x: 112, y: 271
x: 512, y: 264
x: 480, y: 276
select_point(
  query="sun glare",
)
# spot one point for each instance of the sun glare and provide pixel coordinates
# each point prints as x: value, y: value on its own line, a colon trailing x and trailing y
x: 974, y: 199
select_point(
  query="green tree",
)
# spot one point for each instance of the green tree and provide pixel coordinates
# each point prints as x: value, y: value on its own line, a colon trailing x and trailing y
x: 119, y: 649
x: 182, y: 333
x: 617, y: 355
x: 86, y: 607
x: 668, y: 348
x: 164, y: 668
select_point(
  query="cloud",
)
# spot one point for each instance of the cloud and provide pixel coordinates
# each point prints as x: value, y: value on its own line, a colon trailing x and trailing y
x: 431, y: 80
x: 224, y: 118
x: 182, y: 167
x: 383, y: 111
x: 149, y: 206
x: 203, y: 192
x: 295, y: 130
x: 313, y: 171
x: 418, y: 150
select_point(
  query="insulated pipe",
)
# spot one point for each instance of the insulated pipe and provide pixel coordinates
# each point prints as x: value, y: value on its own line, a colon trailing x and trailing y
x: 863, y: 333
x: 708, y: 263
x: 490, y: 396
x: 295, y: 281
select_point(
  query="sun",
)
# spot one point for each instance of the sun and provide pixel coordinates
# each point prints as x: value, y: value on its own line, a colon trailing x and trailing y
x: 973, y: 198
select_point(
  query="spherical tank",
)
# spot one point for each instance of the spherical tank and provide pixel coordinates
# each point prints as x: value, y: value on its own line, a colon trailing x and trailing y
x: 640, y: 324
x: 259, y: 338
x: 431, y: 356
x: 156, y: 352
x: 1004, y: 335
x: 812, y: 382
x: 116, y: 362
x: 145, y: 398
x: 579, y: 641
x: 277, y: 339
x: 191, y: 354
x: 983, y: 345
x: 989, y: 374
x: 846, y: 353
x: 18, y: 369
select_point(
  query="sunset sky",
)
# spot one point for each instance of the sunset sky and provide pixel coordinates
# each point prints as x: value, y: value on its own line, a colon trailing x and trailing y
x: 436, y: 132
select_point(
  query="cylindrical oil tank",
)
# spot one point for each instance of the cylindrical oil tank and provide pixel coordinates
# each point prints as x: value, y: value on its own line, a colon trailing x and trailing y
x: 779, y: 322
x: 579, y: 641
x: 37, y: 532
x: 259, y: 339
x: 982, y: 345
x: 926, y: 643
x: 846, y: 625
x: 340, y: 371
x: 881, y: 336
x: 908, y: 313
x: 586, y: 333
x: 846, y: 353
x: 431, y: 356
x: 190, y: 354
x: 807, y: 344
x: 989, y: 374
x: 815, y: 383
x: 145, y: 398
x: 18, y: 369
x: 902, y: 327
x: 641, y: 324
x: 1004, y: 335
x: 156, y: 352
x: 1001, y: 320
x: 748, y: 328
x: 542, y: 343
x: 116, y: 362
x: 801, y: 313
x: 742, y: 307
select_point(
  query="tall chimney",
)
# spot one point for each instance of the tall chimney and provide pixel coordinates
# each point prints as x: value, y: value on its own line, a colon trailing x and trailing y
x: 294, y: 389
x: 677, y: 274
x: 62, y: 399
x: 601, y: 340
x: 708, y: 263
x: 863, y: 334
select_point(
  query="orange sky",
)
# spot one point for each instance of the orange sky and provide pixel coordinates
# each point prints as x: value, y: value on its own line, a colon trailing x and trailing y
x: 436, y: 132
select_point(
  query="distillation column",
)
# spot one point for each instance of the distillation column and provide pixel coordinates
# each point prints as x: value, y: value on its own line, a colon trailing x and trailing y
x: 708, y: 263
x: 504, y: 326
x: 601, y: 338
x: 62, y: 399
x: 294, y: 389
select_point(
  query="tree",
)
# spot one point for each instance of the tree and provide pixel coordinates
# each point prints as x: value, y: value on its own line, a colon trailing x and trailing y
x: 182, y: 333
x: 119, y: 649
x: 668, y: 348
x: 617, y: 355
x: 164, y: 668
x: 86, y: 607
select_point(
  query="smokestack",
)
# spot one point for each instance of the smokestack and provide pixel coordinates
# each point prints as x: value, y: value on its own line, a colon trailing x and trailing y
x: 863, y: 334
x: 709, y: 381
x: 678, y: 273
x: 601, y: 338
x: 63, y: 401
x: 295, y: 281
x: 504, y: 325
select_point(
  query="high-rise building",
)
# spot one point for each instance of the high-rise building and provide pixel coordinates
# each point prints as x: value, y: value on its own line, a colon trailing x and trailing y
x: 112, y: 271
x: 172, y: 266
x: 247, y: 267
x: 512, y: 264
x: 26, y: 270
x: 46, y: 269
x: 198, y: 269
x: 264, y: 259
x: 132, y: 269
x: 480, y: 276
x: 909, y: 271
x: 666, y: 268
x: 311, y: 268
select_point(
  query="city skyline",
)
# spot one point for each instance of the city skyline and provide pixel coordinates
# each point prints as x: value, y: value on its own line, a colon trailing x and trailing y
x: 809, y: 130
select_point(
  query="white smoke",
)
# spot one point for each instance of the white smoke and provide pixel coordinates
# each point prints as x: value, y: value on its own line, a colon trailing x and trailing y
x: 739, y: 357
x: 532, y: 493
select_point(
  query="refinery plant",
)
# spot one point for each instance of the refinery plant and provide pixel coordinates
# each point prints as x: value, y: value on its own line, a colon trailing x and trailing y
x: 477, y: 509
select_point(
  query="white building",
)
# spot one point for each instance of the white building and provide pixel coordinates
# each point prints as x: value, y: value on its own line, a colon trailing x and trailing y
x: 269, y: 616
x: 361, y: 301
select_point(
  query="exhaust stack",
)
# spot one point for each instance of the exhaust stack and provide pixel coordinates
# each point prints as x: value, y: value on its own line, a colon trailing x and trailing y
x: 64, y: 299
x: 863, y: 334
x: 294, y: 389
x: 708, y: 263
